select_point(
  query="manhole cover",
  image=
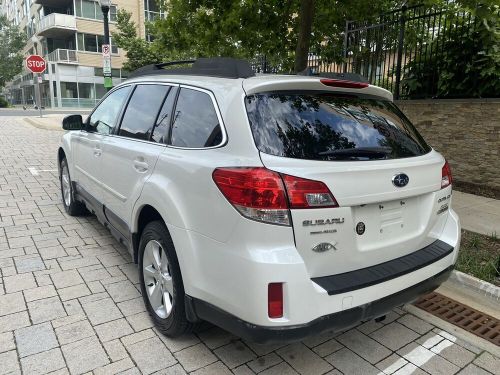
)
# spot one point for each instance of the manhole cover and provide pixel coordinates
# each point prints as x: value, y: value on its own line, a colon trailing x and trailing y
x: 462, y: 316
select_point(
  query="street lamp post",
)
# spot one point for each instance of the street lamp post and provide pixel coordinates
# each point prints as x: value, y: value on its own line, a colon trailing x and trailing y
x: 106, y: 48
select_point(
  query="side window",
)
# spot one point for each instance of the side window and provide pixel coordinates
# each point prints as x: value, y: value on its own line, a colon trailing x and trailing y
x: 103, y: 119
x: 195, y: 123
x: 160, y: 132
x: 142, y: 111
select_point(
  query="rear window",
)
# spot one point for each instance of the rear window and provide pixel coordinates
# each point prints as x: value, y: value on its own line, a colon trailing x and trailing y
x: 324, y: 126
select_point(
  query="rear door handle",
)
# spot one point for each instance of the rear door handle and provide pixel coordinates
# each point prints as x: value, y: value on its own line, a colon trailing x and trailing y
x: 141, y: 166
x: 97, y: 151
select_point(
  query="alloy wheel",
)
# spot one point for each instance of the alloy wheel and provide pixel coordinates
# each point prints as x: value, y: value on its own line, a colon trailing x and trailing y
x: 157, y: 279
x: 66, y: 187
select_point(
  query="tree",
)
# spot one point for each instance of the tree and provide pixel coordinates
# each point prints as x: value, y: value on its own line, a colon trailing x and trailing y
x: 139, y: 51
x: 306, y: 17
x: 284, y: 31
x: 12, y: 41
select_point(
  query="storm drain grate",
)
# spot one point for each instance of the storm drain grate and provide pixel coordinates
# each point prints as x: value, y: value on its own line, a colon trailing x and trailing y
x: 462, y: 316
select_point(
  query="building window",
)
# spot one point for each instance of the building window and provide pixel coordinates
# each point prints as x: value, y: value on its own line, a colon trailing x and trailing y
x: 92, y: 9
x: 93, y: 43
x: 152, y: 11
x: 69, y: 90
x: 112, y: 13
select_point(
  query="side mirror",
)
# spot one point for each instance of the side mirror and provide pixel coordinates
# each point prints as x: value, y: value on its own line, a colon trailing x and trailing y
x: 72, y: 122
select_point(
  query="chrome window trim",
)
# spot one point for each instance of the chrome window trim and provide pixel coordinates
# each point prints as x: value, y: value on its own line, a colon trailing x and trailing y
x: 214, y: 103
x: 219, y: 117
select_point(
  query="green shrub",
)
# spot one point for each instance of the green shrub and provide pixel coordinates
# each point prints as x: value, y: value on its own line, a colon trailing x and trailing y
x: 462, y: 61
x: 3, y: 103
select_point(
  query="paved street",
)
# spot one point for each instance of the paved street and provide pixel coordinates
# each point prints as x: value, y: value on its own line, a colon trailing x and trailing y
x: 70, y: 300
x: 18, y: 111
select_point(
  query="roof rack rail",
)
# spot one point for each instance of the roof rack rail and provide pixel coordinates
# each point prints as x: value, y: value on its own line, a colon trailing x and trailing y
x: 223, y: 67
x: 354, y: 77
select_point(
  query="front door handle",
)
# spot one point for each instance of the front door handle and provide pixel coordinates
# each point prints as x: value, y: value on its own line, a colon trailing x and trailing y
x: 141, y: 166
x: 97, y: 151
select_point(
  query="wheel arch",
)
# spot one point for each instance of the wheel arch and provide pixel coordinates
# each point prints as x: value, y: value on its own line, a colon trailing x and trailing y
x: 64, y: 151
x: 145, y: 214
x: 61, y: 154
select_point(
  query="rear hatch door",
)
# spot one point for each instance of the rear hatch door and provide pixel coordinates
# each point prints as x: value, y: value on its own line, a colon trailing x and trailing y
x: 358, y: 146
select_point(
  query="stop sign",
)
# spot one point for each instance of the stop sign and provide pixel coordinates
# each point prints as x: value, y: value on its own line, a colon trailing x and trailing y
x: 36, y: 63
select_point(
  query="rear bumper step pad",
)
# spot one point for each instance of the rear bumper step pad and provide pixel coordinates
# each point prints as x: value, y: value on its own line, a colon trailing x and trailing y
x: 362, y: 278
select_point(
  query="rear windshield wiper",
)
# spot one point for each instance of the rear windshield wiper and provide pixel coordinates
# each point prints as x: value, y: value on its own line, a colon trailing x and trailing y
x: 360, y: 152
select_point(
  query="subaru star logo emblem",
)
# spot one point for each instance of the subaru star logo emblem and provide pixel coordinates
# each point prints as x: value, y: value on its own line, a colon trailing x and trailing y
x: 400, y: 180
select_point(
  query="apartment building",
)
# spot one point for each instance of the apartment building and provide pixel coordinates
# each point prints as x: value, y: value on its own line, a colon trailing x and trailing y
x: 69, y: 34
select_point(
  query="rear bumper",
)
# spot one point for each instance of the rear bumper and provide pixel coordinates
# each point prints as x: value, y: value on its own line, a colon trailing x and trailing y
x: 362, y: 278
x: 233, y: 276
x: 336, y: 321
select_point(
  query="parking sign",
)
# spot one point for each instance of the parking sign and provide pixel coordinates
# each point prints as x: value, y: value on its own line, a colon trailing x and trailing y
x: 106, y: 56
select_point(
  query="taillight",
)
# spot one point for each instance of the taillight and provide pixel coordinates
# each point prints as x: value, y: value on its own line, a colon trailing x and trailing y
x: 343, y: 83
x: 260, y: 194
x: 303, y: 193
x: 275, y: 300
x: 257, y: 193
x: 446, y: 179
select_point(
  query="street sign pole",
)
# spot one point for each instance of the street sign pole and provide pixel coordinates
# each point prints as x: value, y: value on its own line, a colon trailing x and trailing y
x: 38, y: 81
x: 37, y: 65
x: 106, y: 47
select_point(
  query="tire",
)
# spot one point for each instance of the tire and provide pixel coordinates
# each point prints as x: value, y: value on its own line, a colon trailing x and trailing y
x: 71, y: 206
x: 162, y: 291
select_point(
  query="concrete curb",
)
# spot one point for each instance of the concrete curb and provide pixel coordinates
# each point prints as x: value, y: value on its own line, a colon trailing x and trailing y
x: 483, y: 288
x: 39, y: 125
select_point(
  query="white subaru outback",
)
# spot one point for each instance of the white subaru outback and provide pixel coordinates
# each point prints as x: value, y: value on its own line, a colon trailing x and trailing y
x: 273, y: 206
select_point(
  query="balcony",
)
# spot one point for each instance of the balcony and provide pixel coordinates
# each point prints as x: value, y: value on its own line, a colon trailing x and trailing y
x: 57, y: 25
x: 65, y: 56
x: 54, y: 3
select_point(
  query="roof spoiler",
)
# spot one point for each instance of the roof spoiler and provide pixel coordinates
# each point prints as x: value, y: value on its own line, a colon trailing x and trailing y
x: 222, y: 67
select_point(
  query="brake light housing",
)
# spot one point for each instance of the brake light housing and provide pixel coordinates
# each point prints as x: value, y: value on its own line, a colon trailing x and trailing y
x: 267, y: 196
x: 343, y: 83
x: 446, y: 177
x: 304, y: 193
x: 257, y: 193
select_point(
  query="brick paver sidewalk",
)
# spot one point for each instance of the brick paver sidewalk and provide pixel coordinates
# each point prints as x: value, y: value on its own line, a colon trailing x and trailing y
x: 70, y: 301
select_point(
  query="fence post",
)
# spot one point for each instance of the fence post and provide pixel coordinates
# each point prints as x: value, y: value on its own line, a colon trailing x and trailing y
x: 345, y: 45
x: 402, y: 22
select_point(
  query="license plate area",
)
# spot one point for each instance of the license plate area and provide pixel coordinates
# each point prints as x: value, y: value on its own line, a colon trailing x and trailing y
x: 386, y: 222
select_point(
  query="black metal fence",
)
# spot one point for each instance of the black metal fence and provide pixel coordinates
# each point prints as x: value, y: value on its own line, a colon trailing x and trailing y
x: 398, y: 53
x: 416, y: 52
x: 408, y: 51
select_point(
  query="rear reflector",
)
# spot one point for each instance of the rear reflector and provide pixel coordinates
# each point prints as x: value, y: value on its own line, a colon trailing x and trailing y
x: 343, y: 83
x: 303, y: 193
x: 446, y: 178
x: 275, y: 300
x: 257, y: 193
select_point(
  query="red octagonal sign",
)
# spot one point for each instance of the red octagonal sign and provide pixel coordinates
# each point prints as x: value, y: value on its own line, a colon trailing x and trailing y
x: 36, y: 64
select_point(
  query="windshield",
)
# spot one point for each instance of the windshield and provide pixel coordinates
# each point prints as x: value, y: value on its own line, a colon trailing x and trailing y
x: 325, y: 126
